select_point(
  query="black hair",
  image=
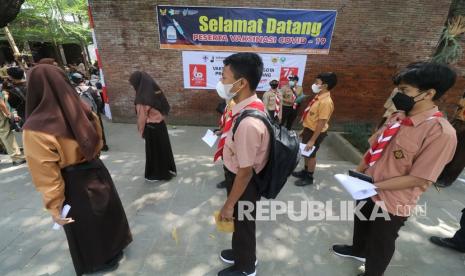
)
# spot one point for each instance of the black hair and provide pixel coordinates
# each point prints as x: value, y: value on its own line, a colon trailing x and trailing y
x: 328, y: 78
x: 294, y: 78
x: 427, y: 75
x: 98, y: 85
x: 246, y: 65
x: 274, y: 83
x: 15, y: 72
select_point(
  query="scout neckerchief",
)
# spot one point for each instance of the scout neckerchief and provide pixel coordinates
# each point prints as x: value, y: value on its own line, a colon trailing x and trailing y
x: 277, y: 108
x: 307, y: 109
x: 228, y: 122
x: 294, y: 98
x: 376, y: 150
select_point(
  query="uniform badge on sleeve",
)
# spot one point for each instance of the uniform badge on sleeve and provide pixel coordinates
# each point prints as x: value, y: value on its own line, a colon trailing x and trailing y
x: 399, y: 154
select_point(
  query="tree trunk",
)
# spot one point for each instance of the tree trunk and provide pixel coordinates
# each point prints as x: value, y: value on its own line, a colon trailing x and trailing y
x: 13, y: 46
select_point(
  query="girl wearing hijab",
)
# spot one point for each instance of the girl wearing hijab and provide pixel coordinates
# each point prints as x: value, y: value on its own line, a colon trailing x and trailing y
x: 151, y: 108
x: 62, y: 142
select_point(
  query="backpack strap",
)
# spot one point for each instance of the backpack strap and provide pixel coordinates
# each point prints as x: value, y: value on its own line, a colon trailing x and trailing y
x: 255, y: 114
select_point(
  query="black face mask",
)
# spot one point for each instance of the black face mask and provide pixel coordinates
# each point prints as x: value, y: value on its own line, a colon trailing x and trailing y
x: 404, y: 102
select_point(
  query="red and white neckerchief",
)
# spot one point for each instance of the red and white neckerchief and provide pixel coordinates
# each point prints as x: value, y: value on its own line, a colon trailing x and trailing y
x: 294, y: 98
x: 307, y: 109
x: 277, y: 108
x: 376, y: 150
x: 228, y: 123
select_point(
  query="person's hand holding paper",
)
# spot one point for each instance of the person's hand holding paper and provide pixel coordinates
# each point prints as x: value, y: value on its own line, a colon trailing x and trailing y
x: 358, y: 188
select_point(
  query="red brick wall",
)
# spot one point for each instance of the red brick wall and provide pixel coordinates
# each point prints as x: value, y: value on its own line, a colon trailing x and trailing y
x: 372, y: 39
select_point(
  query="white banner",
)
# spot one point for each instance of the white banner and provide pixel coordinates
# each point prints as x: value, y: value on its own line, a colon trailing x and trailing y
x: 202, y: 70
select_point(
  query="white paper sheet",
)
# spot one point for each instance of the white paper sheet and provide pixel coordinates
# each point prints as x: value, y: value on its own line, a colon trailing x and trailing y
x: 210, y: 138
x: 64, y: 213
x: 357, y: 188
x: 306, y: 153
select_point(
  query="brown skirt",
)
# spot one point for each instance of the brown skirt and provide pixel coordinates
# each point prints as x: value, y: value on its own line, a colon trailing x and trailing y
x: 101, y: 230
x: 455, y: 167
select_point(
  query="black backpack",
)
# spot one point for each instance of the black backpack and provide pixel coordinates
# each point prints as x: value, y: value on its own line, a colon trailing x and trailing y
x: 284, y: 155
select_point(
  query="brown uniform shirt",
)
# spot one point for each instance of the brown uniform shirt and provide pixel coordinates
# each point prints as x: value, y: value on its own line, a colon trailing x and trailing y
x: 251, y: 142
x: 421, y: 150
x: 46, y: 155
x: 322, y: 109
x: 287, y: 94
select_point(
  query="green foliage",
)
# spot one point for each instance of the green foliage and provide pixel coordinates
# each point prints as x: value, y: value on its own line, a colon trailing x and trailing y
x: 450, y: 50
x: 357, y: 134
x: 52, y: 21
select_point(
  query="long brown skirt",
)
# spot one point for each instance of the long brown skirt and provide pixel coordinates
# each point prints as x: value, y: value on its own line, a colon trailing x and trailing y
x: 100, y: 230
x: 455, y: 167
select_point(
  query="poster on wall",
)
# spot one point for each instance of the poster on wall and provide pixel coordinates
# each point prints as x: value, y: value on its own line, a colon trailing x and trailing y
x: 245, y: 29
x: 202, y: 70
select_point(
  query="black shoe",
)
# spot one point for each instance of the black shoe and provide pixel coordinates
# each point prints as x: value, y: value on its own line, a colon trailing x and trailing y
x: 231, y: 271
x: 221, y: 185
x: 442, y: 184
x: 346, y: 251
x: 20, y: 162
x: 227, y: 256
x: 308, y: 180
x: 300, y: 174
x: 105, y: 148
x: 446, y: 242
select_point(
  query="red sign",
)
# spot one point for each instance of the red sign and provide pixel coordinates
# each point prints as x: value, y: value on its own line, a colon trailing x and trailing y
x: 286, y: 72
x: 198, y: 75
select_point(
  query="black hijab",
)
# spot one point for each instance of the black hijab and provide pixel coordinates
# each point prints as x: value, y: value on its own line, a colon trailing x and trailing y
x: 148, y: 92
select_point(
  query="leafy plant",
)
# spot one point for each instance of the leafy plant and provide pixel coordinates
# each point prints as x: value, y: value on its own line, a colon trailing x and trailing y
x: 56, y: 21
x: 357, y: 134
x: 449, y: 49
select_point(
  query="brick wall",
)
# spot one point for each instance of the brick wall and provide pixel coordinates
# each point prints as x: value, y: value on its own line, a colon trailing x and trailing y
x: 372, y: 39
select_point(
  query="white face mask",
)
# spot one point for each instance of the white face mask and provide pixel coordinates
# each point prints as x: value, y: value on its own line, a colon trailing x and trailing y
x: 224, y: 90
x: 316, y: 88
x: 291, y: 83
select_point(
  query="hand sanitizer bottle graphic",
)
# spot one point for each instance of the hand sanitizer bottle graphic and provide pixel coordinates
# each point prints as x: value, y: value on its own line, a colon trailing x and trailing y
x: 171, y: 34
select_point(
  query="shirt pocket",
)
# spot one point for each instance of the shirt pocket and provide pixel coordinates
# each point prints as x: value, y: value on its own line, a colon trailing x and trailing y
x: 404, y: 152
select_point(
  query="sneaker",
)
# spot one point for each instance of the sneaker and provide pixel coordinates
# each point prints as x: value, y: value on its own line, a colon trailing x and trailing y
x: 346, y: 251
x: 308, y: 180
x: 227, y: 256
x: 446, y: 242
x: 151, y: 180
x: 221, y: 185
x: 300, y: 174
x: 232, y: 271
x: 19, y: 162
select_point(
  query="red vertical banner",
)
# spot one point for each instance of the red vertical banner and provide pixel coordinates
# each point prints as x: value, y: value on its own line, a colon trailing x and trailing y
x: 198, y: 75
x: 286, y: 72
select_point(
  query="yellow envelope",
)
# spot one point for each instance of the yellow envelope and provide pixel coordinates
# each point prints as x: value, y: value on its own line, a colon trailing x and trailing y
x: 223, y: 226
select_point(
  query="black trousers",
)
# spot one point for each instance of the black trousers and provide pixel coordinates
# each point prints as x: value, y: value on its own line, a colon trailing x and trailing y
x: 243, y: 238
x: 375, y: 240
x: 289, y: 115
x: 455, y: 167
x: 459, y: 237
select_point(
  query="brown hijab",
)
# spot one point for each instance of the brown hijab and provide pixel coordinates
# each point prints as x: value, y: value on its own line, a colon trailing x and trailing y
x: 53, y: 107
x: 148, y: 92
x: 50, y: 61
